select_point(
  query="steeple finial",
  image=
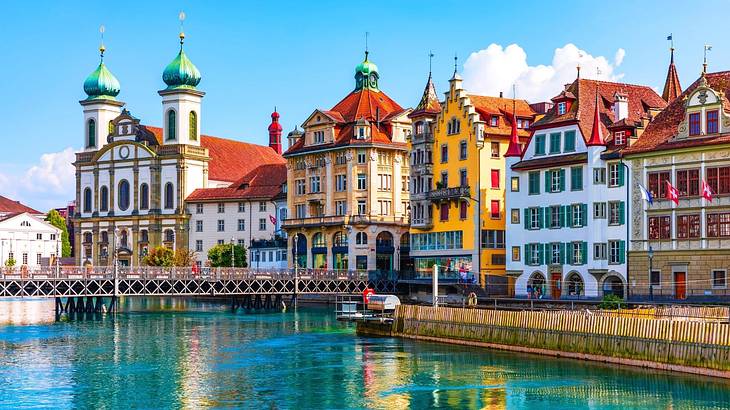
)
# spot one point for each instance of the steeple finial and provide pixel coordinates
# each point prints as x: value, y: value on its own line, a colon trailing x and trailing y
x: 102, y: 49
x: 366, y: 45
x: 430, y: 58
x: 181, y: 17
x: 708, y: 47
x: 456, y: 59
x: 670, y: 38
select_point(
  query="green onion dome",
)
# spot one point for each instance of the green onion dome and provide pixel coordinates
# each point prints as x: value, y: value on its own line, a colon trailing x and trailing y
x: 181, y: 73
x: 101, y: 83
x: 366, y: 67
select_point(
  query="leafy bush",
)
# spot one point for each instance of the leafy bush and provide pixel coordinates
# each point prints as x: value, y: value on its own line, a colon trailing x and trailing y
x: 159, y: 256
x: 220, y: 256
x: 612, y: 302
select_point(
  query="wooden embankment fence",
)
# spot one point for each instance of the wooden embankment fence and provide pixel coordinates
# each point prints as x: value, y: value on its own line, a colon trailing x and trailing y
x: 694, y: 346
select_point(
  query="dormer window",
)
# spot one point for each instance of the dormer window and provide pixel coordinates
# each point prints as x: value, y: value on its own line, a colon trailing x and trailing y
x: 362, y: 129
x: 712, y: 122
x: 361, y: 133
x: 562, y: 108
x: 494, y: 121
x: 318, y: 137
x: 694, y: 123
x: 619, y: 137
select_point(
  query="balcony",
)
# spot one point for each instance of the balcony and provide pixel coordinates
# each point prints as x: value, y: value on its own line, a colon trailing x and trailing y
x: 377, y: 219
x: 445, y: 194
x: 426, y: 137
x: 182, y: 149
x: 422, y: 223
x: 313, y: 221
x: 425, y: 168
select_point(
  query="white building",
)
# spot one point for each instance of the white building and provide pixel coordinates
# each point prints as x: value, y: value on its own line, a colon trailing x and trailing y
x: 566, y: 194
x: 251, y: 209
x: 24, y: 236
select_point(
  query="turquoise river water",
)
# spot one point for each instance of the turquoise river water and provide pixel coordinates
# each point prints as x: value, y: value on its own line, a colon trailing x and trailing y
x: 174, y: 353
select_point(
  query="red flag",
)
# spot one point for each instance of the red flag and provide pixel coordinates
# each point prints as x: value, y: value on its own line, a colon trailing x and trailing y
x: 672, y: 193
x: 272, y: 219
x: 706, y: 191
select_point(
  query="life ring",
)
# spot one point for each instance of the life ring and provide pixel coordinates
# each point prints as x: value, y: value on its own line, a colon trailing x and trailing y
x: 472, y: 299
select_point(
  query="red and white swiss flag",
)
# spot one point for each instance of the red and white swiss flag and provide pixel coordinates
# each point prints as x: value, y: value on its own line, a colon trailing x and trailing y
x: 672, y: 193
x: 706, y: 191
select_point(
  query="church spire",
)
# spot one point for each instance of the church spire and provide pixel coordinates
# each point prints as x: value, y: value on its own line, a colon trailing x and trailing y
x: 672, y: 88
x: 596, y: 132
x: 514, y: 149
x: 429, y: 100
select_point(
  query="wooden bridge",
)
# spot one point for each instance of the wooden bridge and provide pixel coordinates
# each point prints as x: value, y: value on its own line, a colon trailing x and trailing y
x: 84, y: 288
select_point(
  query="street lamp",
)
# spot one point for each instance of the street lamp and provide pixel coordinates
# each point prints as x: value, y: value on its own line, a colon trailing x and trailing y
x: 651, y: 270
x: 233, y: 254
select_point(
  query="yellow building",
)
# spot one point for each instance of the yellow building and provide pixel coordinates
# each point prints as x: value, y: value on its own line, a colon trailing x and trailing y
x: 466, y: 192
x: 347, y: 178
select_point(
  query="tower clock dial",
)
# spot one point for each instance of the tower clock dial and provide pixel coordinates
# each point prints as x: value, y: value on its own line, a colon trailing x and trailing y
x: 373, y: 80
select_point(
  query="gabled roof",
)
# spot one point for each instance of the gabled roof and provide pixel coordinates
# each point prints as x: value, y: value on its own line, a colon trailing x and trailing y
x: 229, y: 159
x: 367, y: 104
x: 640, y: 99
x: 672, y: 89
x: 8, y: 206
x: 659, y: 134
x: 263, y: 182
x: 487, y: 106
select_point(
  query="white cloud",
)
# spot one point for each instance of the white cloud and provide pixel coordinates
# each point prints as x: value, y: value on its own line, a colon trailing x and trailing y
x: 47, y: 184
x: 497, y: 68
x: 54, y: 173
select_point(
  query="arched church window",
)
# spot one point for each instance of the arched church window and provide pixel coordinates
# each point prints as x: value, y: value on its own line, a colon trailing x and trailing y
x: 171, y: 116
x: 123, y: 195
x: 91, y: 134
x: 169, y: 196
x: 104, y: 199
x: 87, y: 200
x: 144, y: 196
x: 193, y: 126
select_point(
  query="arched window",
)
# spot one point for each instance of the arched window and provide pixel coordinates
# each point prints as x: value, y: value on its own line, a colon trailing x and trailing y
x: 340, y: 239
x: 91, y: 134
x: 169, y: 196
x: 104, y: 237
x: 575, y: 284
x: 143, y: 236
x: 87, y: 200
x: 361, y: 238
x: 318, y: 240
x: 171, y: 119
x: 144, y: 196
x: 405, y: 239
x: 123, y: 195
x: 384, y: 238
x: 88, y: 237
x: 123, y: 239
x: 193, y: 126
x: 110, y: 128
x: 104, y: 199
x: 169, y: 235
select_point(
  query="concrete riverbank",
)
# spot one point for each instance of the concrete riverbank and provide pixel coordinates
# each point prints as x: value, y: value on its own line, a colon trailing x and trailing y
x: 690, y: 346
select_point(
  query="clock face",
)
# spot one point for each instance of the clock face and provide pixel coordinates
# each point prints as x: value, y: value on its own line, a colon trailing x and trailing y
x: 373, y: 80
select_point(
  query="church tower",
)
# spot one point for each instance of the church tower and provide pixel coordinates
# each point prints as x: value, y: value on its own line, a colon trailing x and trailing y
x: 100, y: 106
x: 672, y: 89
x: 275, y: 133
x: 181, y: 100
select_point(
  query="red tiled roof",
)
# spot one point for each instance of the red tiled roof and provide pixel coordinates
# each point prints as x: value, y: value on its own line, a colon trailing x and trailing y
x: 229, y: 159
x: 487, y: 106
x: 7, y: 205
x: 554, y: 161
x: 661, y: 132
x: 366, y: 104
x: 263, y: 182
x: 640, y: 99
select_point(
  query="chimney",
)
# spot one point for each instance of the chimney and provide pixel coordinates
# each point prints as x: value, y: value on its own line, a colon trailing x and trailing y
x: 620, y: 107
x: 275, y: 133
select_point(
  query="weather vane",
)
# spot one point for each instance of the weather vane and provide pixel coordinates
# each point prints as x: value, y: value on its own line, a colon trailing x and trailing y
x: 101, y: 46
x: 430, y: 57
x: 181, y: 17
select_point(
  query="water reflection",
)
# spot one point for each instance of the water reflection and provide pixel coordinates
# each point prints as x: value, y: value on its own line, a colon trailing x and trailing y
x: 176, y: 353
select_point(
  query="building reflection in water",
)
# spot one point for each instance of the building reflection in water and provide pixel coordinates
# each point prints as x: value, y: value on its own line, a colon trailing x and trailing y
x: 27, y: 311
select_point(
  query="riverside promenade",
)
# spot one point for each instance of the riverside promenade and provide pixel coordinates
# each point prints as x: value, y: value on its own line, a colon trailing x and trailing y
x: 697, y: 343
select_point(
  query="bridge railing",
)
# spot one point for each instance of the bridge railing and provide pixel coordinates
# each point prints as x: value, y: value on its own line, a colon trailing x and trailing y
x: 177, y: 273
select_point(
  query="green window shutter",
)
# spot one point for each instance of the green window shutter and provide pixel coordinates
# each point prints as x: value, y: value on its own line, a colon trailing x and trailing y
x: 622, y: 252
x: 527, y: 218
x: 584, y: 252
x: 568, y: 215
x: 584, y: 215
x: 527, y: 254
x: 548, y: 216
x: 561, y: 218
x: 620, y: 174
x: 547, y: 181
x: 569, y: 141
x: 539, y: 253
x: 562, y: 253
x: 568, y: 253
x: 621, y: 213
x: 540, y: 216
x: 576, y: 179
x: 561, y: 178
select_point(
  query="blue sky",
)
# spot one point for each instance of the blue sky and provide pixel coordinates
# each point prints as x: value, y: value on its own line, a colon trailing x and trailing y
x: 298, y: 56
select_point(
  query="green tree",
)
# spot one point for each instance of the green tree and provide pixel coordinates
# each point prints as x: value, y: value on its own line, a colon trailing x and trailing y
x: 160, y: 256
x: 184, y: 258
x: 55, y: 219
x: 220, y: 256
